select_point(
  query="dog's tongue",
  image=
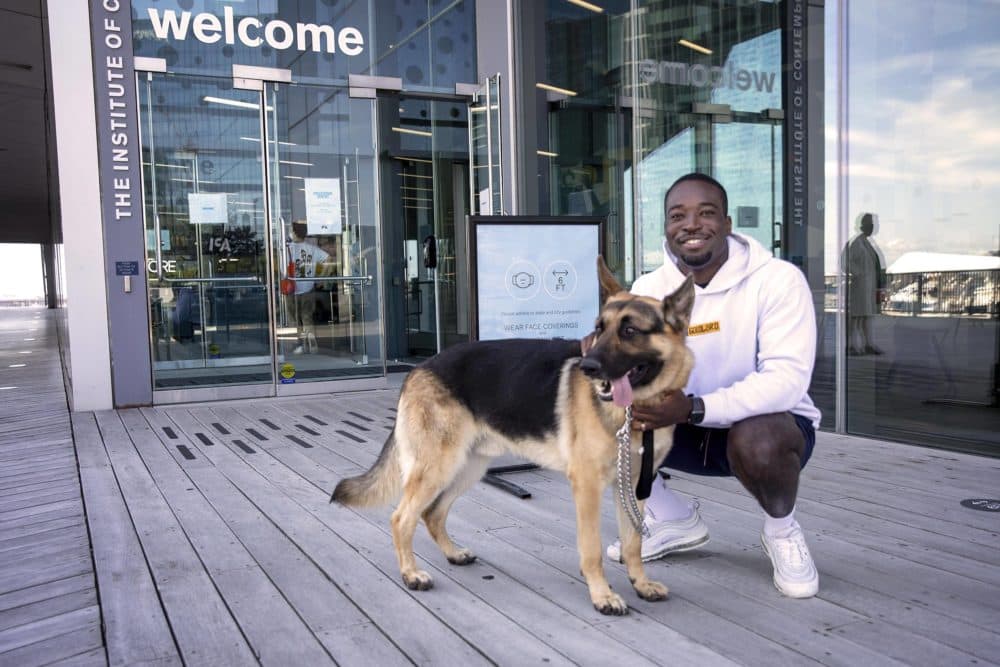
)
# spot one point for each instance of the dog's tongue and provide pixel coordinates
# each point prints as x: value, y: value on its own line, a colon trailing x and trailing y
x: 621, y: 391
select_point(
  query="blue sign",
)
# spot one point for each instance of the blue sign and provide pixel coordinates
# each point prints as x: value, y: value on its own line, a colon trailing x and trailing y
x: 126, y: 268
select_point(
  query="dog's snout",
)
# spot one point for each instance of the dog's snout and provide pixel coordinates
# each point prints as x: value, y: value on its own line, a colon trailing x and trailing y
x: 590, y: 366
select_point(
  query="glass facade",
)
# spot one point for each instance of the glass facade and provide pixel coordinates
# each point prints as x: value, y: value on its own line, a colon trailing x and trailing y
x: 620, y: 102
x: 254, y: 277
x: 912, y: 245
x: 606, y: 104
x: 429, y: 44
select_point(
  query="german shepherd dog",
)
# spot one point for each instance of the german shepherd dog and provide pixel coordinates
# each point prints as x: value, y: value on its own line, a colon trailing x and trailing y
x: 541, y: 400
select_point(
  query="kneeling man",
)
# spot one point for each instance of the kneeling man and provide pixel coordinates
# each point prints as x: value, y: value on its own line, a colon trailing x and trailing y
x: 746, y: 411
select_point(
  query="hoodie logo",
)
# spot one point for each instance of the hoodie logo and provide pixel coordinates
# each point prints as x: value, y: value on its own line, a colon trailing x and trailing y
x: 707, y: 327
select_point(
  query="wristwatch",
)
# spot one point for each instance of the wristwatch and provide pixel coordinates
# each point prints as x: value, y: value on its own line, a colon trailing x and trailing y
x: 697, y: 413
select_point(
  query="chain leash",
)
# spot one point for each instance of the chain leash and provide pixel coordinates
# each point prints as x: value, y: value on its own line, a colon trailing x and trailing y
x: 626, y: 494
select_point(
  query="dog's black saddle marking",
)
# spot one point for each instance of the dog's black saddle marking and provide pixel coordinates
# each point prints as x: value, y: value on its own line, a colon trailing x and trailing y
x: 512, y: 385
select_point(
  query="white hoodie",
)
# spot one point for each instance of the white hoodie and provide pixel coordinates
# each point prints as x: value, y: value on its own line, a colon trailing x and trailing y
x: 753, y: 334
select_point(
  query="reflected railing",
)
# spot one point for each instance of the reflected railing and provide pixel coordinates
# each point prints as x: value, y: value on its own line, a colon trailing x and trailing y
x: 934, y: 293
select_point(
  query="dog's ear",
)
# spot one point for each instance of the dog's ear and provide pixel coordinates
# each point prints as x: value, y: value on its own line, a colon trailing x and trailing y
x: 609, y: 284
x: 677, y: 307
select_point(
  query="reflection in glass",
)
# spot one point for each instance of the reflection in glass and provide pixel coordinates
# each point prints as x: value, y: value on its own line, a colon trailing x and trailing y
x: 922, y: 88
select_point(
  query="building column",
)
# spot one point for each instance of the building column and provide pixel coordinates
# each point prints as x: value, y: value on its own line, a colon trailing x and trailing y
x: 88, y: 361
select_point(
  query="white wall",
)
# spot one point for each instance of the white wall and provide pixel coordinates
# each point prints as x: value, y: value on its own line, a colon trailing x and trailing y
x: 80, y: 204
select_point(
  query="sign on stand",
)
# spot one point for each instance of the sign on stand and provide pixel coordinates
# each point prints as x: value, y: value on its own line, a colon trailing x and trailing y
x: 534, y: 277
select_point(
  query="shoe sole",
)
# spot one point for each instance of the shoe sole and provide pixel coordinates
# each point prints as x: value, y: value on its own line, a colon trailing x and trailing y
x: 672, y: 549
x: 676, y: 548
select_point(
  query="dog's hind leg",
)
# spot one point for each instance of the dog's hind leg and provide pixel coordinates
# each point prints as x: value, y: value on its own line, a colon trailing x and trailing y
x: 436, y: 515
x: 587, y: 490
x: 632, y: 555
x: 419, y: 491
x: 427, y: 476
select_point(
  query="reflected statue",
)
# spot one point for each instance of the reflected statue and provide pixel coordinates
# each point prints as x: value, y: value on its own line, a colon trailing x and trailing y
x: 864, y: 269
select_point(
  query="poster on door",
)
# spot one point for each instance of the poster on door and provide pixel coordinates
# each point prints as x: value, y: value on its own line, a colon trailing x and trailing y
x: 208, y: 208
x: 535, y: 277
x: 323, y: 214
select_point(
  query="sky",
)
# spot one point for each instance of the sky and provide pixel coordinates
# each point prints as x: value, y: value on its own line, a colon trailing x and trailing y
x: 923, y: 99
x: 20, y: 271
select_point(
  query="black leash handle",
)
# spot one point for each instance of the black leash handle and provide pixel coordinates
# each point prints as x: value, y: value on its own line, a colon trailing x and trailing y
x: 647, y: 472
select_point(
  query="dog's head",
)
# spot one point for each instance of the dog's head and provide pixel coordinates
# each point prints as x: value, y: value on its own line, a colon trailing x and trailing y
x: 637, y: 347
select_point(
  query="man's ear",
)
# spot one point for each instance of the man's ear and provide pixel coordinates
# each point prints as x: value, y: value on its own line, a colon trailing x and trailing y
x: 609, y: 284
x: 677, y: 307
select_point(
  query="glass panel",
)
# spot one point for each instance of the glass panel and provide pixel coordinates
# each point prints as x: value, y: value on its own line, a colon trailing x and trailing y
x: 426, y: 186
x: 710, y: 75
x: 582, y: 147
x: 321, y: 172
x: 919, y: 244
x: 430, y: 45
x: 206, y: 249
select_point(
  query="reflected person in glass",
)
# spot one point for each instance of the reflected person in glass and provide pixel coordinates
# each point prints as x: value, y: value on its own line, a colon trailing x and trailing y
x: 308, y: 261
x: 864, y: 269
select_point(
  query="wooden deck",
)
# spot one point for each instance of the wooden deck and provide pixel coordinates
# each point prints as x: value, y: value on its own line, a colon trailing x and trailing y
x: 214, y: 544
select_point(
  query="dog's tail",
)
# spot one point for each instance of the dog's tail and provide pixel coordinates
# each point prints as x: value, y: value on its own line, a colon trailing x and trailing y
x: 379, y: 486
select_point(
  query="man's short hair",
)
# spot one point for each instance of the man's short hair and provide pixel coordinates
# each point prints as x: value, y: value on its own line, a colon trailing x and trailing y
x: 704, y: 178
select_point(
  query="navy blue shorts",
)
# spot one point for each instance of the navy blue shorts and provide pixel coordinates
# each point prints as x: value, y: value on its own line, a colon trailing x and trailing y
x: 702, y: 451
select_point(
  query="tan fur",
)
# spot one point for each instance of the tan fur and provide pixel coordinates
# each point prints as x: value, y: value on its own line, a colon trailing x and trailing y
x: 439, y: 448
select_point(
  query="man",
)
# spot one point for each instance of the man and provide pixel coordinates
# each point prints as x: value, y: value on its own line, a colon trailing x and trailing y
x: 745, y: 411
x: 863, y: 264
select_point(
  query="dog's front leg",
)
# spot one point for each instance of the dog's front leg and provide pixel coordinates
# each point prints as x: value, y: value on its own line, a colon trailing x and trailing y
x: 632, y: 555
x: 587, y: 497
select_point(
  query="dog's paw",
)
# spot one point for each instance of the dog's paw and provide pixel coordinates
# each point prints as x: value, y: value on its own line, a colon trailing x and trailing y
x: 418, y: 580
x: 651, y: 591
x: 611, y: 604
x: 462, y: 557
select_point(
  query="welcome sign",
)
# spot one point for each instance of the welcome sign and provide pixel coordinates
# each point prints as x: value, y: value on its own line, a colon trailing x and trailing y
x: 250, y: 31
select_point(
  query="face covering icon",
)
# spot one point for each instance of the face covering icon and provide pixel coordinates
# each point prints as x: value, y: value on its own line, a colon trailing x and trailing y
x: 522, y: 280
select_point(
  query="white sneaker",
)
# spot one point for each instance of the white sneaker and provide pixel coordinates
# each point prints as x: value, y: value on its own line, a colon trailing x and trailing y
x: 795, y: 574
x: 667, y: 537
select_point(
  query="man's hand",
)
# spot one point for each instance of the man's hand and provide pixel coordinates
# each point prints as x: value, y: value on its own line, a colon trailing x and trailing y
x: 664, y: 410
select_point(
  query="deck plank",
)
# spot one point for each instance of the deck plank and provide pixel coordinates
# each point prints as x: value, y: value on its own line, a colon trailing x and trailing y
x: 200, y: 621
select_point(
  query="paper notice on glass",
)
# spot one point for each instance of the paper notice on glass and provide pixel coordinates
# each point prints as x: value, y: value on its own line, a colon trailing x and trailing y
x: 207, y: 208
x: 323, y: 206
x: 485, y: 202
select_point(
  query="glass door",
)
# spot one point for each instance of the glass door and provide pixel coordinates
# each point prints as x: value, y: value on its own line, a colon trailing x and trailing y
x: 262, y: 244
x: 321, y: 174
x: 206, y: 233
x: 425, y: 175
